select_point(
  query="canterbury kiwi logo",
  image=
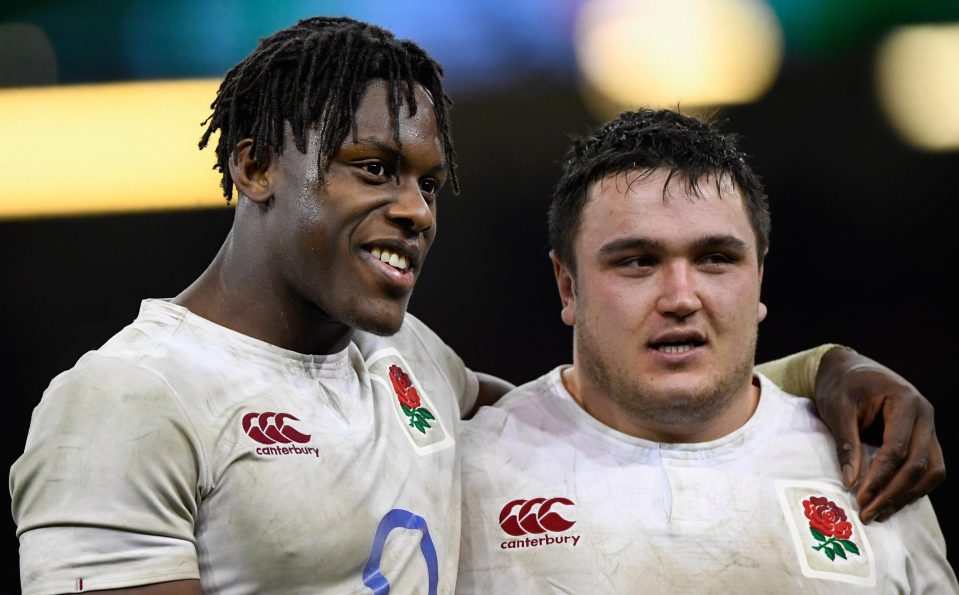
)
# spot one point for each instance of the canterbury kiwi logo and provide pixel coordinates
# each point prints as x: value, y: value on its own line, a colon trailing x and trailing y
x: 272, y: 428
x: 522, y: 517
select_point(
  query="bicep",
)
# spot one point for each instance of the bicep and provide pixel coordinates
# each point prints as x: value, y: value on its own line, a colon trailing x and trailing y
x: 491, y: 388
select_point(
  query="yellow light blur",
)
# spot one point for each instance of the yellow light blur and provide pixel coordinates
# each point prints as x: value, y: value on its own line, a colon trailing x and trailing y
x: 690, y: 53
x: 88, y: 149
x: 917, y: 73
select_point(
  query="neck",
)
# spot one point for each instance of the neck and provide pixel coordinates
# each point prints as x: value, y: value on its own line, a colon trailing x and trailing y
x: 735, y: 412
x: 234, y: 293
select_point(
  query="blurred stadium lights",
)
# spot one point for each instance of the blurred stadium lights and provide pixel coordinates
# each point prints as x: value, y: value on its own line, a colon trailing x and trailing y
x: 26, y: 56
x: 664, y: 53
x: 128, y: 147
x: 105, y: 148
x: 917, y: 75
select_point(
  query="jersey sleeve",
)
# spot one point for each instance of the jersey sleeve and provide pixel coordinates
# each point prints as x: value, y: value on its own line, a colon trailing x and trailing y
x: 105, y: 494
x: 927, y: 567
x: 796, y: 373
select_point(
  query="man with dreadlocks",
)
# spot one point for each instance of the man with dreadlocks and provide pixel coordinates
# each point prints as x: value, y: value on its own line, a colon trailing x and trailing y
x: 281, y: 426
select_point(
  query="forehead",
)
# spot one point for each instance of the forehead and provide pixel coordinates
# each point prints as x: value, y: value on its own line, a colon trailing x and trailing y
x: 633, y: 205
x: 373, y: 119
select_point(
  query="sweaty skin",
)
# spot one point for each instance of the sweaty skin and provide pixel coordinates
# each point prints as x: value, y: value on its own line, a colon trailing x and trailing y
x: 665, y: 307
x: 298, y: 269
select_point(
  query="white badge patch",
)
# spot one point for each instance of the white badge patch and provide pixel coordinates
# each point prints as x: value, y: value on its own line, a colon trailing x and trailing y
x: 826, y: 531
x: 411, y: 404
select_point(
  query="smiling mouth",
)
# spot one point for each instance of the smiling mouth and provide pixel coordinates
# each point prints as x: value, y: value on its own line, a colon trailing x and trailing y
x: 394, y: 259
x: 677, y: 346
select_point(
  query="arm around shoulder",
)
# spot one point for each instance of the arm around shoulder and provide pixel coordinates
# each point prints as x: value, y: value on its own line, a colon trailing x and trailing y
x: 796, y: 373
x: 491, y: 388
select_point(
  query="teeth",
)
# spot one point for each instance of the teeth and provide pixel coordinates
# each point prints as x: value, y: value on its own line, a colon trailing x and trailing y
x: 391, y: 258
x: 675, y: 348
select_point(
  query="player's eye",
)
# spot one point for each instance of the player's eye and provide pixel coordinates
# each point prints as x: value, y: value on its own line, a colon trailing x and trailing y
x: 429, y: 185
x: 639, y: 262
x: 375, y: 168
x: 716, y: 258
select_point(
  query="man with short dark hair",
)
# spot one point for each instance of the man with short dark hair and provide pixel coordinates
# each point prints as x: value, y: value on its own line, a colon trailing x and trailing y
x: 282, y: 425
x: 659, y: 461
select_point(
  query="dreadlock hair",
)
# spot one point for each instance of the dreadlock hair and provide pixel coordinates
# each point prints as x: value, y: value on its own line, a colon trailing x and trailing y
x: 314, y: 73
x: 644, y: 141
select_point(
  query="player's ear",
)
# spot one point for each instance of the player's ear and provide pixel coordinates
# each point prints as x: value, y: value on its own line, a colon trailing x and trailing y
x: 761, y: 313
x: 566, y: 284
x: 250, y: 177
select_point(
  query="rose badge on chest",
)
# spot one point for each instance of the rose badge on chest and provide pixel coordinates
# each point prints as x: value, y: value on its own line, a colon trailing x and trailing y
x: 830, y: 527
x: 410, y: 399
x: 828, y: 538
x: 415, y: 400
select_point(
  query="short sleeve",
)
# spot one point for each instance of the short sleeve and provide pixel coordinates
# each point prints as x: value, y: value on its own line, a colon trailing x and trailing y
x: 927, y: 567
x: 105, y: 494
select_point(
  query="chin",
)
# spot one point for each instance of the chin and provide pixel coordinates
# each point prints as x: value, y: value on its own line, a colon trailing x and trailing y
x: 383, y: 323
x: 382, y: 329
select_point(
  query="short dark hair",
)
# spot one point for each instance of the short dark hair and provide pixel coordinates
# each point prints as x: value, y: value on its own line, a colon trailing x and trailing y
x: 643, y: 141
x: 315, y: 72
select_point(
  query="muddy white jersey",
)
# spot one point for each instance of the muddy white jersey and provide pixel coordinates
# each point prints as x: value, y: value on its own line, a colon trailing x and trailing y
x: 182, y: 449
x: 556, y: 502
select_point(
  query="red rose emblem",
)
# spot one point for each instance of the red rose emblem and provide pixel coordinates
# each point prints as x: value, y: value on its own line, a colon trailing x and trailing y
x: 409, y: 399
x: 826, y: 517
x: 404, y: 388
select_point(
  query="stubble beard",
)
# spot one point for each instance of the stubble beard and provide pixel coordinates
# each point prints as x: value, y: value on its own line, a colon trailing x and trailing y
x: 644, y: 403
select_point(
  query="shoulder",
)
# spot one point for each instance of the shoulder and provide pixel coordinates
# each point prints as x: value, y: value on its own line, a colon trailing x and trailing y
x: 923, y: 547
x: 110, y: 406
x: 102, y: 382
x: 789, y: 411
x: 423, y: 350
x: 524, y: 411
x: 104, y: 404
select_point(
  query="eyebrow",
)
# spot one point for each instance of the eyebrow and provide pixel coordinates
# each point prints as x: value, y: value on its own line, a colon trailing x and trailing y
x: 374, y: 143
x: 713, y: 242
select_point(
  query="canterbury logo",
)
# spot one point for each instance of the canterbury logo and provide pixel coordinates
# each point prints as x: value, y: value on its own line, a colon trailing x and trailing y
x: 521, y: 517
x: 271, y: 428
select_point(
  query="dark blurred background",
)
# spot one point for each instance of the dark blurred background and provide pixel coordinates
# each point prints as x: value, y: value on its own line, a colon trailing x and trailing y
x: 859, y: 201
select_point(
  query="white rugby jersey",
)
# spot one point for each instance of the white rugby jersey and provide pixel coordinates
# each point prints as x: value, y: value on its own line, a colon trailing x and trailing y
x: 556, y: 502
x: 182, y: 449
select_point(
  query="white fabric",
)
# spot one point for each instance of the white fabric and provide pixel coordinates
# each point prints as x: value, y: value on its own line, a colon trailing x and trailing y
x: 718, y: 517
x: 139, y: 468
